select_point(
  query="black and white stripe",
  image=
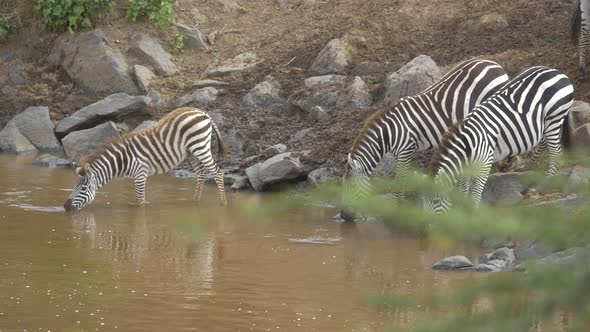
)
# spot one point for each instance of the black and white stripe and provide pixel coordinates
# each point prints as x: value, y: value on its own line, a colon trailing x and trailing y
x: 580, y: 29
x: 525, y: 114
x: 417, y: 123
x: 154, y: 150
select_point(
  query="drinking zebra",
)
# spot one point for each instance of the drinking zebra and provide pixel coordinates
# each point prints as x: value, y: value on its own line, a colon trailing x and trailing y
x: 526, y: 114
x: 154, y: 150
x: 416, y: 124
x: 580, y: 29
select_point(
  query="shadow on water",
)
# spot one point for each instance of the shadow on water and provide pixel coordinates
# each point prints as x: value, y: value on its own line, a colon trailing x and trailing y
x: 170, y: 265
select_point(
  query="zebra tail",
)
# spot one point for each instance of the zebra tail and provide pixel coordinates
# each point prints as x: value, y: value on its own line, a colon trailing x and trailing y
x: 221, y: 146
x: 566, y: 141
x: 576, y: 22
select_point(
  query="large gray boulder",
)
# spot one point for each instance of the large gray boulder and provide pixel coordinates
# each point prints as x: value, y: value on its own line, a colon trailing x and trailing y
x: 144, y: 125
x: 356, y: 96
x: 153, y: 53
x: 194, y: 38
x: 93, y: 62
x: 453, y: 263
x: 79, y: 144
x: 578, y: 116
x: 505, y: 188
x: 264, y: 94
x: 34, y: 123
x: 333, y: 58
x: 109, y: 108
x: 411, y: 79
x: 12, y: 141
x: 283, y: 167
x: 322, y: 91
x: 143, y: 76
x: 200, y: 97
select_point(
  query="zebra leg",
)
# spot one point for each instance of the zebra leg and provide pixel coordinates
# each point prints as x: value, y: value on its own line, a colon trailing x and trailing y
x: 554, y: 146
x: 402, y: 165
x: 538, y: 152
x: 206, y: 160
x: 140, y: 181
x: 479, y: 184
x: 200, y: 174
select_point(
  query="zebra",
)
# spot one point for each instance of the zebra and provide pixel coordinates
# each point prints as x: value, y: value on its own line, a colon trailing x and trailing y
x: 526, y: 114
x: 416, y: 124
x: 154, y: 150
x: 580, y: 31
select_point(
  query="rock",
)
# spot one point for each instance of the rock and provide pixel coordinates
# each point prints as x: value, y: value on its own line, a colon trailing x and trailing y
x: 34, y: 123
x: 9, y: 91
x: 320, y: 176
x: 240, y: 63
x: 577, y: 181
x: 93, y: 62
x: 386, y: 167
x: 504, y: 254
x: 373, y: 68
x: 217, y: 118
x: 453, y: 263
x: 495, y: 265
x: 213, y: 83
x: 200, y: 98
x: 12, y: 141
x: 240, y: 183
x: 582, y: 138
x: 568, y: 257
x: 356, y: 97
x: 578, y: 116
x: 144, y: 125
x: 300, y: 135
x: 109, y: 108
x: 79, y: 144
x: 287, y: 4
x: 153, y: 53
x: 194, y: 39
x: 143, y: 76
x: 317, y: 113
x: 332, y: 59
x: 274, y: 150
x: 16, y: 75
x: 122, y: 126
x: 264, y: 94
x: 280, y: 168
x: 505, y: 188
x: 32, y: 40
x: 531, y: 250
x: 47, y: 160
x: 321, y: 91
x: 492, y: 22
x: 156, y: 98
x: 410, y: 80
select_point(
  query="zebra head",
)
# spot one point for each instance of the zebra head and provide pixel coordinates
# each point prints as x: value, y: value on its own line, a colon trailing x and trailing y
x: 84, y: 191
x: 355, y: 185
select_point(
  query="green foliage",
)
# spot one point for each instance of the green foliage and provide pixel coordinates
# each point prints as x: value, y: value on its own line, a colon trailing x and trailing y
x: 160, y: 12
x: 514, y: 301
x: 7, y: 26
x: 179, y: 38
x: 70, y: 15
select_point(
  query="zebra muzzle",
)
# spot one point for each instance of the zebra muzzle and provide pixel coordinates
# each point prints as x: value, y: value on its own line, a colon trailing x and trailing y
x: 68, y: 205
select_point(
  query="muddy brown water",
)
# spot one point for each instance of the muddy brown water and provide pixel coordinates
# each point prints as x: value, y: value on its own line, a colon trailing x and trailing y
x: 169, y: 266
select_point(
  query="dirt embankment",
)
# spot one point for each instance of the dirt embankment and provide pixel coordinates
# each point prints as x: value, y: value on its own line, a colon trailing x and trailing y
x: 517, y: 34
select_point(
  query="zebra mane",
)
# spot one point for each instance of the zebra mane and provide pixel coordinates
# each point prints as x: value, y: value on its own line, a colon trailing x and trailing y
x: 370, y: 121
x: 444, y: 146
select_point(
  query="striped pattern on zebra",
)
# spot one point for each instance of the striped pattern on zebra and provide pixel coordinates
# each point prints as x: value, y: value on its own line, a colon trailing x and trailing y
x: 526, y: 114
x: 416, y: 124
x: 580, y: 29
x: 154, y: 150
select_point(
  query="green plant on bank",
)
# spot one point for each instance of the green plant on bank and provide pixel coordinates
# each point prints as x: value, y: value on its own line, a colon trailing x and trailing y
x: 535, y: 300
x: 7, y: 26
x: 160, y: 12
x: 179, y: 38
x: 70, y: 15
